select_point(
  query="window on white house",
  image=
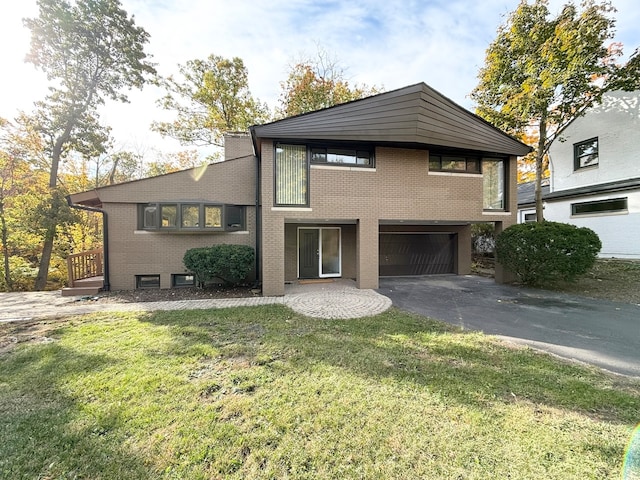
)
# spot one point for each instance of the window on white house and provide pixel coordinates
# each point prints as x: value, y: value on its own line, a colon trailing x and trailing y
x: 613, y: 205
x: 585, y: 154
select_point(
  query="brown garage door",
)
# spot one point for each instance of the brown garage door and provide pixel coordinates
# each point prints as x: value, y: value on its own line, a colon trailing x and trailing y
x: 417, y: 253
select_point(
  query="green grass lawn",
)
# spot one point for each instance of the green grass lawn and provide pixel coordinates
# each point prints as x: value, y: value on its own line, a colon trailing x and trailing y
x: 265, y: 393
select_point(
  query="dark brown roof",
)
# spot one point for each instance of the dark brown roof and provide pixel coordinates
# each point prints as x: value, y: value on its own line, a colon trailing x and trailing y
x: 416, y: 114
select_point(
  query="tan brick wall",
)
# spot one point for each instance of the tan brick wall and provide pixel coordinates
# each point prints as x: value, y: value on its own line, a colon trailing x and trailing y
x: 225, y: 182
x: 133, y: 252
x: 237, y: 145
x: 401, y: 189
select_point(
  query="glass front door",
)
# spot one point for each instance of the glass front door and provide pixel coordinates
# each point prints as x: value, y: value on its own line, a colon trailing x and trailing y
x: 319, y: 252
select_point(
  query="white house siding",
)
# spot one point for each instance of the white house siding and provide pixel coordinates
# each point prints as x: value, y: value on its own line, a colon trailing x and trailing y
x: 616, y: 123
x: 618, y: 232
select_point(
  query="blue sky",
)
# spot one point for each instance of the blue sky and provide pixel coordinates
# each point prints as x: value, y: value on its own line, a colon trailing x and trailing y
x: 385, y: 43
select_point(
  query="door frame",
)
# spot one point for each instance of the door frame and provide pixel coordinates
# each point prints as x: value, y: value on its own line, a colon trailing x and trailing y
x: 320, y: 253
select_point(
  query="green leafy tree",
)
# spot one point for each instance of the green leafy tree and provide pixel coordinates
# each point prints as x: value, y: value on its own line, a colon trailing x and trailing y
x: 542, y: 72
x: 210, y: 98
x: 317, y: 84
x: 91, y: 51
x: 22, y: 186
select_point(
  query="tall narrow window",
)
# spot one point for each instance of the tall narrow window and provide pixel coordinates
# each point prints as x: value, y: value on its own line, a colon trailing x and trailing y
x: 150, y: 217
x: 291, y: 172
x: 493, y: 175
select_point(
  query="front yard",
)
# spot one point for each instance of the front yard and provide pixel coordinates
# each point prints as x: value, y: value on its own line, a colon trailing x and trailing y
x: 265, y: 393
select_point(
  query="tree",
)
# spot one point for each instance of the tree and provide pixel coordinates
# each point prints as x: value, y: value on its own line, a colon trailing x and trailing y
x: 316, y: 84
x: 21, y: 188
x: 91, y: 51
x: 543, y: 72
x: 211, y: 98
x: 527, y: 164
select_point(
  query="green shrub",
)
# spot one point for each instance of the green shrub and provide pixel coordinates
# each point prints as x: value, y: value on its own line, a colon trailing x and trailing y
x: 547, y: 251
x: 230, y: 263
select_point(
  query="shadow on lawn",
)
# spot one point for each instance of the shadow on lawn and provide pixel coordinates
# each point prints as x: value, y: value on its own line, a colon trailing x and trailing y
x: 45, y: 432
x: 469, y: 368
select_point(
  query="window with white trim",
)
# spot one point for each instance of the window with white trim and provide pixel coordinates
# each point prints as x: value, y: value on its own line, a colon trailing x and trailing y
x: 585, y: 154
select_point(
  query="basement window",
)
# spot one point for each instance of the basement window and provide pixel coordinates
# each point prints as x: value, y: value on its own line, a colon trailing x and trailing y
x: 183, y: 280
x: 147, y: 281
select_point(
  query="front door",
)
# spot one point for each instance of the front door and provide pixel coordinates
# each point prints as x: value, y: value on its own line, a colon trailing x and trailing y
x: 319, y: 252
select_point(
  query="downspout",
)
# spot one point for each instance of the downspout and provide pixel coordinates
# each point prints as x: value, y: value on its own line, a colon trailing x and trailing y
x: 105, y: 238
x: 256, y: 153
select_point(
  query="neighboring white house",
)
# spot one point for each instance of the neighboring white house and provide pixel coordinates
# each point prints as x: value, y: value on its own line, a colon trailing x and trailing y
x: 527, y: 200
x: 595, y: 174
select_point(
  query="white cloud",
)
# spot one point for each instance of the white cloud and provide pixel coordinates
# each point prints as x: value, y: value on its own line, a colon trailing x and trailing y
x: 383, y: 43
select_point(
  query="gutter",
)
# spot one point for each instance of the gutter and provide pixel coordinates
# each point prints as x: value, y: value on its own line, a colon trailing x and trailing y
x: 258, y: 177
x: 105, y: 238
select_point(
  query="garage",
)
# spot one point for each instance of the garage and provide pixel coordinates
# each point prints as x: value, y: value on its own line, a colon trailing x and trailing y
x: 410, y: 253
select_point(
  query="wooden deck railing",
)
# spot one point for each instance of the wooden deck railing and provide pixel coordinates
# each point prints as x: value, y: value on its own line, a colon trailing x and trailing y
x: 84, y: 265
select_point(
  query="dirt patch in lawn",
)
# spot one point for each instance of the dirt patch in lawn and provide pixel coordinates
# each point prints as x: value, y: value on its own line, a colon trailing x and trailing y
x: 13, y: 334
x: 617, y: 280
x: 609, y: 279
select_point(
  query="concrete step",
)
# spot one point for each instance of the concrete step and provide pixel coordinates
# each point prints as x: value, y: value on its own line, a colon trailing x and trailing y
x: 80, y: 291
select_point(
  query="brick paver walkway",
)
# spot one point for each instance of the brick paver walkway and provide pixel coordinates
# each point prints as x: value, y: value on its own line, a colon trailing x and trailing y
x: 339, y: 299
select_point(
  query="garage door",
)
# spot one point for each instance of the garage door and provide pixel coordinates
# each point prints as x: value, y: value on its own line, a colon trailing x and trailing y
x: 417, y: 253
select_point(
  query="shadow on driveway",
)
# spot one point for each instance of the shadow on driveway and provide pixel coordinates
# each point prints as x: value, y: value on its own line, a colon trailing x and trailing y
x: 598, y: 332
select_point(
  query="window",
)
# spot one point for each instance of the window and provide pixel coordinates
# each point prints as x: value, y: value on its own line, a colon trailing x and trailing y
x: 493, y: 182
x: 291, y: 175
x: 613, y: 205
x: 530, y: 217
x: 147, y: 281
x: 183, y: 280
x: 342, y: 156
x: 168, y: 216
x: 189, y: 216
x: 212, y: 216
x: 453, y: 163
x: 150, y: 219
x: 234, y: 217
x: 585, y: 154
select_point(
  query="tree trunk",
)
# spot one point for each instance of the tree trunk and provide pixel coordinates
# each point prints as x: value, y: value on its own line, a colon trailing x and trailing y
x: 50, y: 235
x: 5, y: 248
x: 45, y: 259
x: 539, y: 168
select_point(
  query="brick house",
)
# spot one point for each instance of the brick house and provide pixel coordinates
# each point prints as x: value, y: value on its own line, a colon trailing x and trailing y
x: 386, y: 185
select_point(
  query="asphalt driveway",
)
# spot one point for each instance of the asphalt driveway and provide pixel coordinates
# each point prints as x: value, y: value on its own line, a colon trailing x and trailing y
x: 598, y: 332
